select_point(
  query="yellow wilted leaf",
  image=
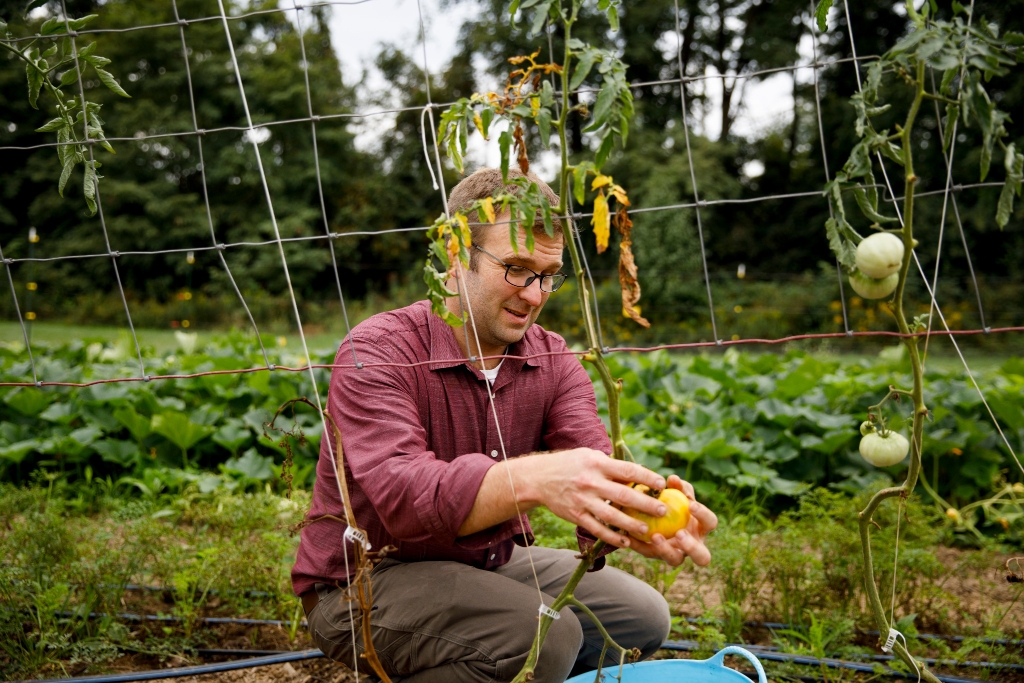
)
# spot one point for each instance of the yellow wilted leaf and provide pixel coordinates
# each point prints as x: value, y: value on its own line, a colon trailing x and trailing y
x: 478, y: 122
x: 488, y: 207
x: 463, y: 229
x: 601, y: 181
x: 534, y: 104
x: 619, y: 194
x: 601, y: 221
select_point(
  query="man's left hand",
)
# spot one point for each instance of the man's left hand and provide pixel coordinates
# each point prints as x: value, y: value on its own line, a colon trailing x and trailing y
x: 688, y: 542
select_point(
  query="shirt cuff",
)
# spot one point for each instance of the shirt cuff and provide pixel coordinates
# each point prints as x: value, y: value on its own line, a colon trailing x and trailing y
x: 586, y: 540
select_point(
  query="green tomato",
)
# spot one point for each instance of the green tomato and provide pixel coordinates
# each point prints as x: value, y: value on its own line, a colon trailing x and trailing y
x: 884, y: 451
x: 870, y: 288
x: 867, y: 428
x: 880, y: 255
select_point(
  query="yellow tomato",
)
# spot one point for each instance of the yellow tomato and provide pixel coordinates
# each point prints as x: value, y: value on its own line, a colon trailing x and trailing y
x: 677, y: 517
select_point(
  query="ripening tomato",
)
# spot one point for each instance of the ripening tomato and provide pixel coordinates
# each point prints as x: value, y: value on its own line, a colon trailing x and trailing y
x: 880, y: 255
x: 871, y: 288
x: 677, y: 517
x: 884, y: 450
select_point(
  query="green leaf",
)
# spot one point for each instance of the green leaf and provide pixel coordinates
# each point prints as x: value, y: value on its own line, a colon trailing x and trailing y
x: 613, y: 17
x: 604, y: 150
x: 51, y: 125
x: 232, y: 436
x: 179, y: 430
x: 123, y: 453
x: 952, y: 113
x: 1014, y: 163
x: 51, y: 26
x: 96, y: 60
x: 504, y: 144
x: 946, y: 88
x: 108, y: 80
x: 29, y: 401
x: 586, y: 63
x: 68, y: 77
x: 540, y: 16
x: 79, y: 24
x: 69, y: 166
x: 602, y: 108
x: 549, y: 226
x: 844, y: 250
x: 90, y: 185
x: 35, y: 83
x: 544, y: 126
x: 139, y: 426
x: 867, y: 209
x: 910, y: 41
x: 251, y: 465
x: 821, y: 14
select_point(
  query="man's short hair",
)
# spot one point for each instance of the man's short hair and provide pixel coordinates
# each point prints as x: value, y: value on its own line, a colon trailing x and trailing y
x: 487, y: 182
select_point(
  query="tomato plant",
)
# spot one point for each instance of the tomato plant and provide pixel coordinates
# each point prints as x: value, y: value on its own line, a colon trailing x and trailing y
x: 964, y: 54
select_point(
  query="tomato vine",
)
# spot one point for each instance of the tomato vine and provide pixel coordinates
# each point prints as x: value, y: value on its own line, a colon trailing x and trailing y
x: 967, y: 55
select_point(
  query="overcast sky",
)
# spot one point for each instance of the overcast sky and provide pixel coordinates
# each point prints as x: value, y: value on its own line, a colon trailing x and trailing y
x: 359, y: 32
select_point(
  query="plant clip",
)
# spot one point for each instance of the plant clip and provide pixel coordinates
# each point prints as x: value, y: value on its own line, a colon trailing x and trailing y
x: 354, y: 535
x: 546, y: 611
x: 891, y: 640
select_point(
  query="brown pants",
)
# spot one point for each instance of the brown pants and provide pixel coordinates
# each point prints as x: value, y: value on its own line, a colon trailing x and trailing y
x: 446, y: 622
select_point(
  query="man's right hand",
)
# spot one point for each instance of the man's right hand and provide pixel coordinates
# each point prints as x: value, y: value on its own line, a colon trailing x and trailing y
x: 586, y: 487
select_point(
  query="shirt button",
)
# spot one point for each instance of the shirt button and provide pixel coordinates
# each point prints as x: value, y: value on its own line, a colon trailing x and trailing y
x: 494, y: 454
x: 492, y: 556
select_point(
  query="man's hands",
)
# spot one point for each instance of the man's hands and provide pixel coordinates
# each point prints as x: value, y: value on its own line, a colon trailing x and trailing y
x: 688, y: 541
x: 587, y: 487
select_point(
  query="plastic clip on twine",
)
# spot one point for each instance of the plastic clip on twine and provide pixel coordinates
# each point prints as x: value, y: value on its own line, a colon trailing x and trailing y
x: 546, y: 611
x: 353, y: 535
x: 891, y: 641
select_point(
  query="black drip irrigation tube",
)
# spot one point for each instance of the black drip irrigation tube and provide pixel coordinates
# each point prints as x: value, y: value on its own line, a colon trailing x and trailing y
x: 275, y: 657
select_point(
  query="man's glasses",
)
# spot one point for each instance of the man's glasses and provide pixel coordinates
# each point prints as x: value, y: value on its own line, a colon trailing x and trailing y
x: 520, y: 276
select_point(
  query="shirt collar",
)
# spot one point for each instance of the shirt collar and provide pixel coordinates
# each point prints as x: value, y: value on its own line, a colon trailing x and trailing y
x: 445, y: 352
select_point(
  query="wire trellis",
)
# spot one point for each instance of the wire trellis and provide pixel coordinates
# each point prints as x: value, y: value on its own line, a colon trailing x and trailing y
x: 313, y: 119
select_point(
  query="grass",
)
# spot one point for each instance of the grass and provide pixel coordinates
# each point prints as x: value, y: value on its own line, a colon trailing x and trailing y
x: 160, y: 341
x: 157, y: 341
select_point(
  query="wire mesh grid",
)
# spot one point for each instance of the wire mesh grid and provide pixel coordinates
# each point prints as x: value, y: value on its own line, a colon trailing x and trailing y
x: 330, y: 237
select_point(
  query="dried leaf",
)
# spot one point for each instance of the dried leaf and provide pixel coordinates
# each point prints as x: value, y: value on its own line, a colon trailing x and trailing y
x: 601, y: 221
x: 521, y: 158
x: 627, y: 269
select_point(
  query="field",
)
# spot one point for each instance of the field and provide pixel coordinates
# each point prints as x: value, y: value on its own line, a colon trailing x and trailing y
x: 107, y: 493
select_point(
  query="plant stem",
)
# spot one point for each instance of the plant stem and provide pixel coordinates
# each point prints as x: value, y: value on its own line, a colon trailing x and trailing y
x: 619, y: 448
x: 920, y: 411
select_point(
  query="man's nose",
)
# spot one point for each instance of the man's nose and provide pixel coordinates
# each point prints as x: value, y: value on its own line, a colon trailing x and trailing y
x: 532, y: 293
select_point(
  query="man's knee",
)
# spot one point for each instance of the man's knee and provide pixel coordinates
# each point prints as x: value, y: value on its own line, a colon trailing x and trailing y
x: 558, y: 653
x: 653, y: 621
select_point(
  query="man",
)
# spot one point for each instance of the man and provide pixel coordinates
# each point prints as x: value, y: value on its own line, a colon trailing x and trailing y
x: 426, y: 465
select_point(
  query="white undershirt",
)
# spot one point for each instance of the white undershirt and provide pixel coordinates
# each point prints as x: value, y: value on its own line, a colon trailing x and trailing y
x: 492, y: 374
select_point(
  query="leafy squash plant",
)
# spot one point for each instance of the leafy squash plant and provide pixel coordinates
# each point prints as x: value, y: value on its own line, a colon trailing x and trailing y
x: 529, y: 98
x: 959, y: 55
x: 54, y: 59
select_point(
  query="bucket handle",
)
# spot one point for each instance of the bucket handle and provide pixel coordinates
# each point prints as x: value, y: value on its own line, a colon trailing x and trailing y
x: 719, y: 659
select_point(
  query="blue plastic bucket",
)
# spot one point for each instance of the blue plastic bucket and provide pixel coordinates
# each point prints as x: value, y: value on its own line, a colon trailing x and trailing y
x: 711, y: 670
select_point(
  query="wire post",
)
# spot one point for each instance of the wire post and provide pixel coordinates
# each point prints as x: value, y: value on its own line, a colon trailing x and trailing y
x: 295, y: 304
x: 319, y: 180
x: 693, y: 173
x: 824, y: 157
x: 206, y: 192
x: 99, y: 205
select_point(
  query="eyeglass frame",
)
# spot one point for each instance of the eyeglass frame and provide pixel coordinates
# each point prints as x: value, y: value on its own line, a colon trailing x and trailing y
x: 529, y: 281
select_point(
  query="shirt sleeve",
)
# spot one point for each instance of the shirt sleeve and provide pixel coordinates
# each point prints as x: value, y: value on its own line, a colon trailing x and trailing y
x: 573, y: 422
x: 417, y: 496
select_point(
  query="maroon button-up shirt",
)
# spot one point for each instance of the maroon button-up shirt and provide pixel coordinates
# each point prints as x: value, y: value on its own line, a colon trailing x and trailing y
x: 418, y: 440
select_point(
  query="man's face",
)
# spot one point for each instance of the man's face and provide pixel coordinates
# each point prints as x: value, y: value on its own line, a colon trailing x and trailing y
x: 504, y: 312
